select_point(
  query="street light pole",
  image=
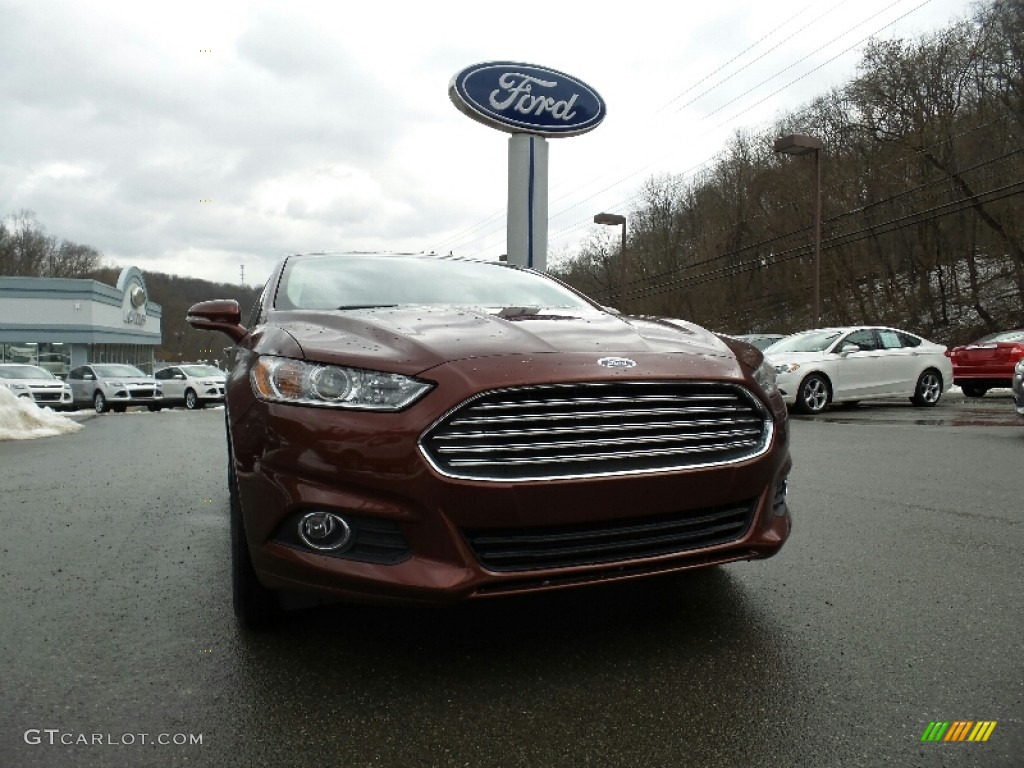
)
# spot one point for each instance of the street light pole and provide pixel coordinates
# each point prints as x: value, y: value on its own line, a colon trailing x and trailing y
x: 801, y: 144
x: 614, y: 219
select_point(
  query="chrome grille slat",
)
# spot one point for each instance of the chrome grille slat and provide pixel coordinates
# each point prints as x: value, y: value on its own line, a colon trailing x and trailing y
x: 654, y: 453
x: 577, y: 429
x: 585, y: 430
x: 556, y: 403
x: 600, y: 414
x: 547, y: 446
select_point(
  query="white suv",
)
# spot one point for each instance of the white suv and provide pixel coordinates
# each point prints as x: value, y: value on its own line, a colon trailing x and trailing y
x: 114, y: 386
x: 37, y: 383
x: 191, y: 385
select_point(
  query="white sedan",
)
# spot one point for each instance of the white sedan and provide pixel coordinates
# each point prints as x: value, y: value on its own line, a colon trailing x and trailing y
x: 846, y: 365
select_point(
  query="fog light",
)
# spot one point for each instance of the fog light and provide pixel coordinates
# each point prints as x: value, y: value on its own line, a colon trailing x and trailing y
x: 324, y: 531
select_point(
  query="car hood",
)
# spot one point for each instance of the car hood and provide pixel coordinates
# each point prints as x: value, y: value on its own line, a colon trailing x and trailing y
x: 34, y: 382
x: 414, y: 339
x: 796, y: 357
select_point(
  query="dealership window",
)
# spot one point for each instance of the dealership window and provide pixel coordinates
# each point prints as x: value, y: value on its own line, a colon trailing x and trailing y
x: 53, y: 356
x: 139, y: 355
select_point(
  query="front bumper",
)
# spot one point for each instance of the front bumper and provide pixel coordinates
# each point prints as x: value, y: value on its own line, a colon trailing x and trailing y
x: 367, y: 468
x: 213, y: 393
x: 789, y: 385
x: 134, y: 395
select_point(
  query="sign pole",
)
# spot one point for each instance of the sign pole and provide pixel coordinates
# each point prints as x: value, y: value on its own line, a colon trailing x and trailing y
x: 527, y: 222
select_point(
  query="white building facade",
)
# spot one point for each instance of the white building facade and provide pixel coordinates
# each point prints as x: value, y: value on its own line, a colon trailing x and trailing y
x: 60, y: 324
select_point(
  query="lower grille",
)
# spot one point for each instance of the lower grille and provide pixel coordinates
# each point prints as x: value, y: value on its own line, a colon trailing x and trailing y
x: 589, y: 430
x: 522, y: 549
x: 47, y: 397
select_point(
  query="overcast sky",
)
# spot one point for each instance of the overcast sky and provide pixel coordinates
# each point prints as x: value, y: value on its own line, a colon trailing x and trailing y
x: 192, y: 138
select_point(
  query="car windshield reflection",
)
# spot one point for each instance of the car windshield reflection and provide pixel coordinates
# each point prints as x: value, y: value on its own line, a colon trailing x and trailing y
x: 815, y: 341
x: 358, y: 281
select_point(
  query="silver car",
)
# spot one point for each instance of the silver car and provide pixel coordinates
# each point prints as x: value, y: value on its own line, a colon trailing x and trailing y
x: 114, y: 386
x: 191, y: 385
x: 37, y: 383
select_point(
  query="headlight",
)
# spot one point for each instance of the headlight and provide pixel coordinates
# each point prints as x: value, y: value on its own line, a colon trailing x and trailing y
x: 786, y: 367
x: 283, y: 380
x: 17, y: 386
x: 115, y: 384
x: 765, y: 377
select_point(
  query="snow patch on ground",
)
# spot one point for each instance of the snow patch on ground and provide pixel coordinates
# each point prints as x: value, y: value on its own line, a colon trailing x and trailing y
x: 22, y: 419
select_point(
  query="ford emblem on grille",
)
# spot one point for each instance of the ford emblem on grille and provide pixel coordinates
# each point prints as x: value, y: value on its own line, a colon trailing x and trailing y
x: 617, y: 362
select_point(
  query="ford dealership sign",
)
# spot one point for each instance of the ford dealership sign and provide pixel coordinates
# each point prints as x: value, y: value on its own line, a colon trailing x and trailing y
x: 523, y: 98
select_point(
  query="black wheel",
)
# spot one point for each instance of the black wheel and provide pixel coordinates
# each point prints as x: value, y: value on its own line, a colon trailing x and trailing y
x: 192, y: 401
x: 256, y: 607
x: 99, y: 402
x: 813, y: 395
x: 154, y: 408
x: 973, y: 390
x: 928, y: 391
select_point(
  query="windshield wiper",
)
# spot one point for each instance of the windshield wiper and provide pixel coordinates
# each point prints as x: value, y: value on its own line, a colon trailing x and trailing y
x: 367, y: 306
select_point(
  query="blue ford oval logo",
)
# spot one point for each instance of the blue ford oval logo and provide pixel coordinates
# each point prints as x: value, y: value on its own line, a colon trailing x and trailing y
x: 523, y: 98
x: 616, y: 362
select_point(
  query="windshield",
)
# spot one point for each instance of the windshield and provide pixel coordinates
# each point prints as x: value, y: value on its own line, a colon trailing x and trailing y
x: 202, y: 370
x: 117, y: 370
x: 24, y: 372
x: 353, y: 281
x: 811, y: 341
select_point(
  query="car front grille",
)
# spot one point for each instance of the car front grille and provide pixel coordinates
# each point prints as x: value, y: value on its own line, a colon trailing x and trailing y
x: 588, y: 430
x: 44, y: 396
x: 536, y: 548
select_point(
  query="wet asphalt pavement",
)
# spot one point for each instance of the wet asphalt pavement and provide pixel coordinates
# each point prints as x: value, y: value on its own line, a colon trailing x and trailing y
x: 896, y: 602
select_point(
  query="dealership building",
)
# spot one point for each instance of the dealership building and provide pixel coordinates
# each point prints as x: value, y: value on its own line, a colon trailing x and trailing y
x: 60, y: 324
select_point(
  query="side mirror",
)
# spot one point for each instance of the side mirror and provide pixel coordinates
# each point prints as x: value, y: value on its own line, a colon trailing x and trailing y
x: 848, y: 349
x: 219, y: 315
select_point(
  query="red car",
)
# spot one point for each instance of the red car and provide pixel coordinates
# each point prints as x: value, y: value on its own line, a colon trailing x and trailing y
x: 988, y: 362
x: 409, y: 428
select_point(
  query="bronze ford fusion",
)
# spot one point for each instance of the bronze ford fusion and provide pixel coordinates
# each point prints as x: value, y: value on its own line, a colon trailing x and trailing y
x: 409, y: 428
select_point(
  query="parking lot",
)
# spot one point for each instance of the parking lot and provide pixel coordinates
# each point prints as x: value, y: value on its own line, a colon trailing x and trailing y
x: 896, y: 603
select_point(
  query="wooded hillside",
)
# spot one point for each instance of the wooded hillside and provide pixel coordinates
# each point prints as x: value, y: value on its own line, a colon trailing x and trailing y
x: 922, y: 182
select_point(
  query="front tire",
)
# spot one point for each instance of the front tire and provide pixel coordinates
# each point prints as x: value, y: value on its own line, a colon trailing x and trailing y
x: 192, y: 401
x: 256, y: 607
x: 99, y: 402
x: 928, y: 391
x: 973, y: 390
x: 813, y: 395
